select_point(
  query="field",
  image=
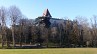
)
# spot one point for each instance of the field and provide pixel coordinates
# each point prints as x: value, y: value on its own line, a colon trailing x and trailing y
x: 50, y: 51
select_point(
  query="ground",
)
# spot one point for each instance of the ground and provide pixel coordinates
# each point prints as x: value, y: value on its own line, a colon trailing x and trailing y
x: 50, y: 51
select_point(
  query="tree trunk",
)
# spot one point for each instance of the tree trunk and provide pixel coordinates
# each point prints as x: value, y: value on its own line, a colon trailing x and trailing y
x: 13, y: 37
x: 2, y: 42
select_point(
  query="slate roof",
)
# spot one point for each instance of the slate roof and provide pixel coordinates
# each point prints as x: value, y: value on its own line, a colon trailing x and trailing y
x: 46, y: 13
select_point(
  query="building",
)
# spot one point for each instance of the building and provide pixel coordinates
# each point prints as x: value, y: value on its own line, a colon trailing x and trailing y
x: 48, y: 19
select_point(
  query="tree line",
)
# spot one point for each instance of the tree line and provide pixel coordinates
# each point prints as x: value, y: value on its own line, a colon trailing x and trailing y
x: 17, y: 30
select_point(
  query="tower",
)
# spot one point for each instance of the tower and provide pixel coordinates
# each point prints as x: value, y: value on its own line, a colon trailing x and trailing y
x: 44, y: 19
x: 46, y: 13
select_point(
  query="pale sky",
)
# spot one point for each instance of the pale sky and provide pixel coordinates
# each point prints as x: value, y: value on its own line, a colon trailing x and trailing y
x: 58, y: 8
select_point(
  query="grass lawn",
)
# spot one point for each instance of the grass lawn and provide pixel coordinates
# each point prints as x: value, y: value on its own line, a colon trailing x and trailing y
x: 50, y: 51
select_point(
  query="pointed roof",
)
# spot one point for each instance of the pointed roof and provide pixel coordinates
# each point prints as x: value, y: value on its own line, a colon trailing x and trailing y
x: 47, y: 13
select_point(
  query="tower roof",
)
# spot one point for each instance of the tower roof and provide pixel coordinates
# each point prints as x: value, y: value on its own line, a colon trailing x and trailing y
x: 47, y: 13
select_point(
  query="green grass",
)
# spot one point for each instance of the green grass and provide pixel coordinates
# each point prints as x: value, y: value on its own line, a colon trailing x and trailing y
x: 50, y: 51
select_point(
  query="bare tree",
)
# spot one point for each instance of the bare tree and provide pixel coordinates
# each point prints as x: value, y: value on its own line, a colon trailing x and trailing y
x: 22, y: 30
x: 75, y: 34
x: 3, y: 24
x: 94, y: 30
x: 15, y: 14
x: 83, y: 21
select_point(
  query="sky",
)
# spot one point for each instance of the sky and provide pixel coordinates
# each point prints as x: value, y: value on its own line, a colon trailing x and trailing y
x: 58, y: 8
